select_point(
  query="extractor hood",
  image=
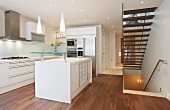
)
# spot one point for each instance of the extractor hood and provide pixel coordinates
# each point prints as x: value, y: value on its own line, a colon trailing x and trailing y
x: 12, y: 26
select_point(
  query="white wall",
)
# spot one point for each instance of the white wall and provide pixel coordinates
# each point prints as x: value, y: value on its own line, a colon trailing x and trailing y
x: 118, y: 49
x: 112, y: 50
x: 10, y: 48
x: 158, y: 48
x: 2, y: 23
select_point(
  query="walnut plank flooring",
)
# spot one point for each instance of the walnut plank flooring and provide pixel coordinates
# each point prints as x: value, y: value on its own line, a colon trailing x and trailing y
x: 105, y: 93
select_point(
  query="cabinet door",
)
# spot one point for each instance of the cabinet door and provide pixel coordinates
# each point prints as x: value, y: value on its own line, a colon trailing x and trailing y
x: 4, y: 74
x: 87, y: 31
x: 71, y: 32
x: 74, y: 77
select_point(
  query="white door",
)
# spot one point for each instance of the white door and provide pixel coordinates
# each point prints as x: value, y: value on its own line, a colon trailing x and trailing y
x: 104, y: 54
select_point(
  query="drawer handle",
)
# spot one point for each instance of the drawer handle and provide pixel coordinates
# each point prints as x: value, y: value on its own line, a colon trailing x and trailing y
x: 10, y: 67
x: 20, y: 74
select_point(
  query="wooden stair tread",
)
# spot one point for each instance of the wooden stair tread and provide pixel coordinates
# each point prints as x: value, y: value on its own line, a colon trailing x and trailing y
x: 132, y: 36
x: 133, y: 52
x: 136, y: 30
x: 131, y: 68
x: 131, y: 64
x: 145, y: 10
x: 139, y: 24
x: 135, y: 44
x: 135, y: 48
x: 139, y: 18
x: 133, y: 59
x: 135, y: 55
x: 143, y: 40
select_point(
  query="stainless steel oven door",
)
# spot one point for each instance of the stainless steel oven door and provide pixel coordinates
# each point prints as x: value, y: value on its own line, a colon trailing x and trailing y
x: 71, y: 54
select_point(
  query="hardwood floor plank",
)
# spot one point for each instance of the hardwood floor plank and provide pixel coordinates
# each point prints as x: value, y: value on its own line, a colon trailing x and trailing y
x: 105, y: 93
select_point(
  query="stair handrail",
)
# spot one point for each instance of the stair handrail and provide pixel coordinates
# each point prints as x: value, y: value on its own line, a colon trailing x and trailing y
x: 160, y: 61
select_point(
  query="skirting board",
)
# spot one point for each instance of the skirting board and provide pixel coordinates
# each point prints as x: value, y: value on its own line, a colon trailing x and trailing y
x: 16, y: 85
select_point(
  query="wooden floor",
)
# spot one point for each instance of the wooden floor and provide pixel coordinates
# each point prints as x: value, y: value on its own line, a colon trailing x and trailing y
x: 105, y: 93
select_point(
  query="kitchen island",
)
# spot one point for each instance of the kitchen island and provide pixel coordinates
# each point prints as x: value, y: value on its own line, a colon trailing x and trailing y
x: 61, y: 80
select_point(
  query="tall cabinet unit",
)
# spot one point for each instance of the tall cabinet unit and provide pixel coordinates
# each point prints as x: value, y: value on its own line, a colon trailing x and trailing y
x: 86, y: 42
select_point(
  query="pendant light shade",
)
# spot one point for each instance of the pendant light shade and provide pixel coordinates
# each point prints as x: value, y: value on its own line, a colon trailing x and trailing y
x: 62, y: 23
x: 39, y: 27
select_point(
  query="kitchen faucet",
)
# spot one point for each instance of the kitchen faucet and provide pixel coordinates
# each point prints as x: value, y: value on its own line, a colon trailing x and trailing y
x: 42, y: 55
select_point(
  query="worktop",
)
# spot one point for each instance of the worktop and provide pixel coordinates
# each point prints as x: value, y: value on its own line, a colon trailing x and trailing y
x: 61, y: 80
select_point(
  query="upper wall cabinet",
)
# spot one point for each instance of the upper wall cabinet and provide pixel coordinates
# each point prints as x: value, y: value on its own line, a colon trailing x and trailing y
x: 31, y: 27
x: 71, y: 33
x: 87, y: 31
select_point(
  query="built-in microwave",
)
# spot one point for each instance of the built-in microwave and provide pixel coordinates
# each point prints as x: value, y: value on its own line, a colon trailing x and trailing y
x: 72, y: 42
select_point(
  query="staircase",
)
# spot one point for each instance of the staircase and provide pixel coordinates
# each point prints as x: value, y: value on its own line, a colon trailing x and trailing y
x: 136, y: 29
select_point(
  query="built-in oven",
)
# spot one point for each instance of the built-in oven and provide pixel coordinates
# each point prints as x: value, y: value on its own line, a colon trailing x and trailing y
x: 80, y: 52
x: 71, y: 42
x: 71, y: 52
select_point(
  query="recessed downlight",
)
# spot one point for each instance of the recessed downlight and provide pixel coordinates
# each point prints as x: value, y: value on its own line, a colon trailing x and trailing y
x: 68, y: 22
x: 51, y: 22
x: 85, y: 20
x: 112, y: 26
x: 142, y: 2
x: 108, y: 18
x: 82, y: 10
x: 50, y: 5
x: 72, y: 1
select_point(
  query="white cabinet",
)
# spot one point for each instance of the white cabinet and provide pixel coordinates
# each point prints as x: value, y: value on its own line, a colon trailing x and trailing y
x: 80, y: 31
x: 31, y: 27
x: 4, y: 74
x: 71, y: 33
x: 20, y: 71
x: 87, y: 31
x: 83, y: 72
x: 74, y: 77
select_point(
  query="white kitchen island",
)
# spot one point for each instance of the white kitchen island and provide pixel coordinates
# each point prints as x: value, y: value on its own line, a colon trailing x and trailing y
x: 61, y: 80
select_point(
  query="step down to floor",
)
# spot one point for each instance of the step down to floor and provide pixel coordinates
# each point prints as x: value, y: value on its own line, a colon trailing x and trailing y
x: 132, y: 36
x: 135, y: 44
x: 143, y: 40
x: 136, y: 30
x: 139, y: 18
x: 139, y: 24
x: 131, y: 64
x: 146, y: 10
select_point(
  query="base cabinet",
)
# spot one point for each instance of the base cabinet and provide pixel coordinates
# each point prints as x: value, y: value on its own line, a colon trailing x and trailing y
x: 4, y: 74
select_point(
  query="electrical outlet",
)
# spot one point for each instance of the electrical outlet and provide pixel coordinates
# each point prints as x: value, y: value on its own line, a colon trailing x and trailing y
x: 160, y: 89
x: 168, y: 96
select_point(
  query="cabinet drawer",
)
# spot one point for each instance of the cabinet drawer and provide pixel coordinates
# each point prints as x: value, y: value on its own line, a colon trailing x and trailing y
x: 19, y: 78
x: 20, y: 70
x: 18, y: 65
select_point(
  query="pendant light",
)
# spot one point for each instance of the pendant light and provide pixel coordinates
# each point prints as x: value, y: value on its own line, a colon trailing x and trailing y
x: 39, y: 27
x: 62, y: 23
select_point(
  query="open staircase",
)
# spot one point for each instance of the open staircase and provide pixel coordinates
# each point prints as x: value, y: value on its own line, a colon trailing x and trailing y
x: 136, y: 29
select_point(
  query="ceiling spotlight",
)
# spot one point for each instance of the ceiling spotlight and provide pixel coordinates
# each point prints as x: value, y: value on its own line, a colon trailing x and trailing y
x: 50, y: 5
x: 108, y: 18
x: 112, y: 26
x: 68, y: 22
x: 51, y: 22
x: 82, y: 10
x: 85, y: 20
x: 142, y: 2
x: 72, y: 1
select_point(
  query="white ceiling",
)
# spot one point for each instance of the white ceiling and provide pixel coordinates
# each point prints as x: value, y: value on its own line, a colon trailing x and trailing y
x: 95, y: 11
